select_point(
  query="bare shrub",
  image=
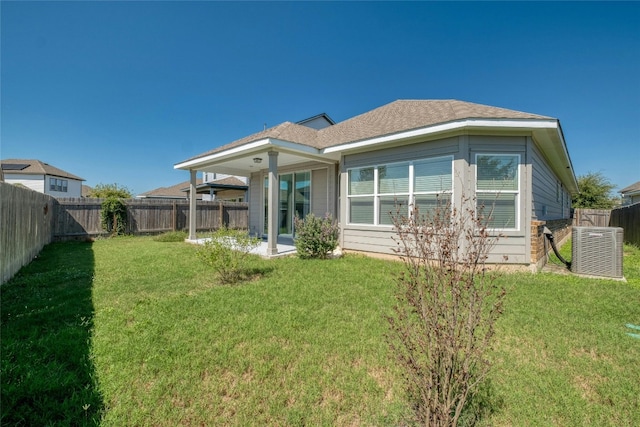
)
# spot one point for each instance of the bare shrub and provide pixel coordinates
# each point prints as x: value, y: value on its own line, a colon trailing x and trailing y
x: 227, y: 251
x: 446, y: 308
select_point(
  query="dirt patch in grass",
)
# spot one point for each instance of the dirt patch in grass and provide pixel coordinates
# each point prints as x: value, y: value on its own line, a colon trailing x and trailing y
x: 587, y: 386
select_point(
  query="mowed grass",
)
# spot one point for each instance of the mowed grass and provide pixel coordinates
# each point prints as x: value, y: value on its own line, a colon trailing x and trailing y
x: 135, y: 332
x: 300, y: 346
x: 563, y: 355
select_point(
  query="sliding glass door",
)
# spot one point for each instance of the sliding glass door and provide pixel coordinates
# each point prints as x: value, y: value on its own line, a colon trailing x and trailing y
x: 294, y: 198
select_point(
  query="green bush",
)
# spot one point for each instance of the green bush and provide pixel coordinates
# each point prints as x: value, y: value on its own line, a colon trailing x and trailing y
x: 226, y: 252
x: 316, y: 237
x: 114, y: 215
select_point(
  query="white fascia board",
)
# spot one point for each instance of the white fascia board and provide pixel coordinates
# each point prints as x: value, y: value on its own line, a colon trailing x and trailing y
x: 247, y: 148
x: 189, y: 164
x: 449, y: 127
x: 304, y: 151
x: 566, y: 154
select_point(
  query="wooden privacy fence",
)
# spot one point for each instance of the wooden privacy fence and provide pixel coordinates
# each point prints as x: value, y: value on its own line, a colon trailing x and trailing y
x: 25, y: 227
x: 81, y: 217
x: 591, y: 217
x: 29, y: 220
x: 627, y: 217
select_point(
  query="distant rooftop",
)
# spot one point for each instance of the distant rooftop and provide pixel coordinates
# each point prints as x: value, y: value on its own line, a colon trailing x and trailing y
x: 34, y: 167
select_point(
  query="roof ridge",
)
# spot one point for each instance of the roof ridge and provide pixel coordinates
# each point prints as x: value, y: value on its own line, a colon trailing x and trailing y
x: 40, y: 167
x: 391, y: 118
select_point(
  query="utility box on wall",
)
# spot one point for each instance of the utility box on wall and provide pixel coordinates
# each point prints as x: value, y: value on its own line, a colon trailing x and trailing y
x: 597, y: 251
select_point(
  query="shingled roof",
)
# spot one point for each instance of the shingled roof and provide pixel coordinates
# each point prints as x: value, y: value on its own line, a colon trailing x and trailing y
x: 174, y: 191
x: 397, y: 116
x: 633, y: 188
x: 35, y: 167
x: 180, y: 191
x: 405, y: 115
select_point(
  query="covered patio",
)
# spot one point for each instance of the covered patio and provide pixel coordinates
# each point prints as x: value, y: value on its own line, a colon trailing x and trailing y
x: 262, y: 158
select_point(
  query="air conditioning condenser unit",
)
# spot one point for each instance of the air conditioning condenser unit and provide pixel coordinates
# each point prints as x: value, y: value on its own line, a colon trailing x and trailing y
x: 597, y: 251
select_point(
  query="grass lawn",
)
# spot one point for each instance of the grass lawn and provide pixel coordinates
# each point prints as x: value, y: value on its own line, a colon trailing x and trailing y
x: 133, y: 331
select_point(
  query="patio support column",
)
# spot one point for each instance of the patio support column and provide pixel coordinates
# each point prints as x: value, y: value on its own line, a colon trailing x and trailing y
x: 272, y: 205
x: 192, y: 204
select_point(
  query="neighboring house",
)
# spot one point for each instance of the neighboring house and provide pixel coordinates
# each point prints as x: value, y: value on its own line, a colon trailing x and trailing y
x: 408, y: 151
x: 175, y: 192
x: 42, y: 177
x: 86, y: 191
x: 227, y: 188
x: 218, y: 186
x: 631, y: 194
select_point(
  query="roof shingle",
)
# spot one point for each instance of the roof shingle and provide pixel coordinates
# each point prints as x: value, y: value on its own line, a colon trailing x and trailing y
x: 37, y: 167
x: 631, y: 189
x: 397, y: 116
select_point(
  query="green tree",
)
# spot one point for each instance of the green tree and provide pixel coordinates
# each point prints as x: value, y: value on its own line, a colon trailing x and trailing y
x: 594, y: 192
x: 108, y: 191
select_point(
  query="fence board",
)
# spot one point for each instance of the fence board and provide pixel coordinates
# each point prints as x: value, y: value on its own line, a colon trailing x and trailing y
x: 81, y: 217
x: 27, y: 220
x: 30, y: 220
x: 591, y: 217
x: 627, y: 217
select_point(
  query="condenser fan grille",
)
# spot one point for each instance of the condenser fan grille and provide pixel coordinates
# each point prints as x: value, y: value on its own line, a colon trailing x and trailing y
x: 597, y: 251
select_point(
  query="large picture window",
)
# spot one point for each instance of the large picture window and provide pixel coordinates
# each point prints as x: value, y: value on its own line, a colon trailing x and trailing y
x: 498, y: 190
x: 377, y: 193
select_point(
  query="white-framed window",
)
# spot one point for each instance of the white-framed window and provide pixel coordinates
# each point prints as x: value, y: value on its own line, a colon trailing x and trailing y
x: 376, y: 193
x: 56, y: 184
x: 498, y: 190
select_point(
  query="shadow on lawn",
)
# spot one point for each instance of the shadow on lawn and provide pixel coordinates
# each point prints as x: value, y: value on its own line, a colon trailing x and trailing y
x: 46, y: 322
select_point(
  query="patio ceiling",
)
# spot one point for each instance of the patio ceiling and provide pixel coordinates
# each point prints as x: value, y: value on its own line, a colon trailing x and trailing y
x: 243, y: 161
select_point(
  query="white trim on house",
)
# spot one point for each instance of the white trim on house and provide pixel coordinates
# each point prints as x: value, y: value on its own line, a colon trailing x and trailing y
x: 222, y: 154
x: 518, y: 192
x: 284, y: 146
x: 447, y: 127
x: 411, y: 193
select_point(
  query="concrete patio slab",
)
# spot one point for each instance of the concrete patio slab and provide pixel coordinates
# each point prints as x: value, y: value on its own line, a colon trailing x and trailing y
x: 285, y: 247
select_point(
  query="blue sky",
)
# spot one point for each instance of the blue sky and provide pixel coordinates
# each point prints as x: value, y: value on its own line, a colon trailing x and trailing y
x: 121, y: 91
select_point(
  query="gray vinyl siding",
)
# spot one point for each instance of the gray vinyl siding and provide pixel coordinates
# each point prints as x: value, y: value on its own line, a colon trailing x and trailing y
x: 319, y: 192
x: 323, y: 191
x: 403, y: 153
x: 368, y: 240
x: 513, y: 247
x: 549, y: 197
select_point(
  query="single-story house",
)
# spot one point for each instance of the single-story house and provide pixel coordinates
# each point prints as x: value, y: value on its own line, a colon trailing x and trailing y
x: 412, y: 151
x: 41, y: 177
x: 229, y: 188
x: 631, y: 194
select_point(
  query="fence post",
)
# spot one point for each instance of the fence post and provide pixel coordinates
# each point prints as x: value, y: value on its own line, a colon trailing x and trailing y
x: 174, y: 218
x: 221, y: 213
